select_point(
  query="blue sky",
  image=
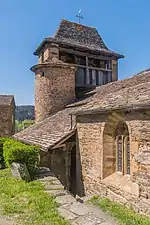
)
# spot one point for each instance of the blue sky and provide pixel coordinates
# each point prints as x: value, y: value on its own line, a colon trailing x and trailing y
x: 123, y: 24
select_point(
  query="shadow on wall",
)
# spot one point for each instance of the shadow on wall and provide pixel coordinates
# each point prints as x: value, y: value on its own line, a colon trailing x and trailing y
x: 68, y: 175
x: 54, y: 160
x: 80, y: 190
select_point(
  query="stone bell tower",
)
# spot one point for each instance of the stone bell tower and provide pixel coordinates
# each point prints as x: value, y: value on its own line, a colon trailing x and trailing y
x: 54, y: 83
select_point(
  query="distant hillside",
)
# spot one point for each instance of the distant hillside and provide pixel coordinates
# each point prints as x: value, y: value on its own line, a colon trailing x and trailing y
x: 24, y: 112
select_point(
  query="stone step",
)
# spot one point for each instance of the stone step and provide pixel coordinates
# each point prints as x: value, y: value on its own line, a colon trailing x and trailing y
x: 66, y: 214
x: 66, y: 199
x: 79, y: 209
x: 45, y: 176
x: 44, y: 179
x: 57, y: 182
x: 89, y: 219
x: 54, y: 187
x: 56, y: 193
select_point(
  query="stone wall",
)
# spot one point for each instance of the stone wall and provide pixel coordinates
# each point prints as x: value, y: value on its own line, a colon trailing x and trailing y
x: 54, y: 88
x: 48, y: 52
x: 114, y: 70
x: 7, y: 120
x: 98, y: 159
x: 58, y: 161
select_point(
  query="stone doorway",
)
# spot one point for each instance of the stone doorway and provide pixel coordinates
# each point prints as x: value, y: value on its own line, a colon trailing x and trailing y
x: 73, y: 171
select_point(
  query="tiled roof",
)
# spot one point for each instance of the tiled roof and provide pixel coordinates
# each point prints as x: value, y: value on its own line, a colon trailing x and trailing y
x: 113, y: 87
x: 79, y: 36
x: 75, y: 33
x: 123, y: 93
x: 134, y: 97
x: 50, y: 131
x: 6, y: 99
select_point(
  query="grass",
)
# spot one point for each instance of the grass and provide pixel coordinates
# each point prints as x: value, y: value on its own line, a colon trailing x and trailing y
x: 122, y: 214
x: 27, y: 203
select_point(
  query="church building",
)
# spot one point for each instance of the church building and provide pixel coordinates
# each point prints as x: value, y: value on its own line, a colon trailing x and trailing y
x: 93, y: 129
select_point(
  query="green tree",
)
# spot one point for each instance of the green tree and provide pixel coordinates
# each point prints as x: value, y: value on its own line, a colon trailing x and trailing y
x: 22, y: 125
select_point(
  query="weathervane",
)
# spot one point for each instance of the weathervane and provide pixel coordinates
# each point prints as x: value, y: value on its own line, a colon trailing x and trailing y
x: 79, y: 16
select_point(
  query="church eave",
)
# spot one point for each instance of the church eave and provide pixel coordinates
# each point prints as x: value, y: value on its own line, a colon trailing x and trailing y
x: 112, y: 109
x: 92, y: 50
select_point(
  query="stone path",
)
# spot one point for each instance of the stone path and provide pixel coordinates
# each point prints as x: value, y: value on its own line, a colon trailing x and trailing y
x: 4, y: 221
x: 77, y: 211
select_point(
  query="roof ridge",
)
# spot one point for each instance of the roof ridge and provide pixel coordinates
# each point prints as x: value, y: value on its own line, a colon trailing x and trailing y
x: 65, y: 20
x: 6, y: 95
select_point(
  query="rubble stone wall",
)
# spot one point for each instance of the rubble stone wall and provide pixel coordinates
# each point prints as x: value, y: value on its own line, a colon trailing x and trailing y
x: 7, y: 120
x: 98, y: 157
x: 53, y: 90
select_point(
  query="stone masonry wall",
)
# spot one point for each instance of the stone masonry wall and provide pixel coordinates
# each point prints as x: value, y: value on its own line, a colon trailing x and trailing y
x: 49, y: 52
x: 114, y: 70
x: 7, y: 121
x: 96, y: 169
x: 53, y: 90
x: 90, y: 148
x: 56, y: 160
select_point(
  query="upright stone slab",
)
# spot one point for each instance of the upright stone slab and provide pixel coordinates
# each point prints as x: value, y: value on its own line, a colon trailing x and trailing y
x: 20, y: 171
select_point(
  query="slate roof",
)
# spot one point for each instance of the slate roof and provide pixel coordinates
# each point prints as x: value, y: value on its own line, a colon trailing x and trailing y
x: 78, y: 36
x: 113, y: 87
x: 132, y: 92
x: 6, y: 100
x: 50, y: 131
x: 135, y: 97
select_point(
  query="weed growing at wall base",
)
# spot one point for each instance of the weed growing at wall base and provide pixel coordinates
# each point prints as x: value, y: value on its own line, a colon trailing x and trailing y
x: 122, y: 214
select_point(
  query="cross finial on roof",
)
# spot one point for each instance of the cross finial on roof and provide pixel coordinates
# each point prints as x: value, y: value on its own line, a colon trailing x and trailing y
x: 79, y: 16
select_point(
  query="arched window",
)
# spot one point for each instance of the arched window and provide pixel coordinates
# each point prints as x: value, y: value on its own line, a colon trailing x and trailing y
x: 122, y: 148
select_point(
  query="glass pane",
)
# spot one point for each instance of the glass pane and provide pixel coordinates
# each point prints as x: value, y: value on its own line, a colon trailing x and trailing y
x: 119, y: 154
x: 128, y: 156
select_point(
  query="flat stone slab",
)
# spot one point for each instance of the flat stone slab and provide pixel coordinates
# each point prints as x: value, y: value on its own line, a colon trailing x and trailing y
x: 46, y: 179
x: 89, y: 219
x: 66, y: 199
x: 56, y: 193
x: 66, y: 214
x: 56, y: 181
x: 79, y: 209
x: 108, y: 223
x: 54, y: 187
x: 5, y: 221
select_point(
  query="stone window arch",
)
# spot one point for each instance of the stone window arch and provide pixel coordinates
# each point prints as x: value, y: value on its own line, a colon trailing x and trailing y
x: 122, y: 148
x: 116, y: 147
